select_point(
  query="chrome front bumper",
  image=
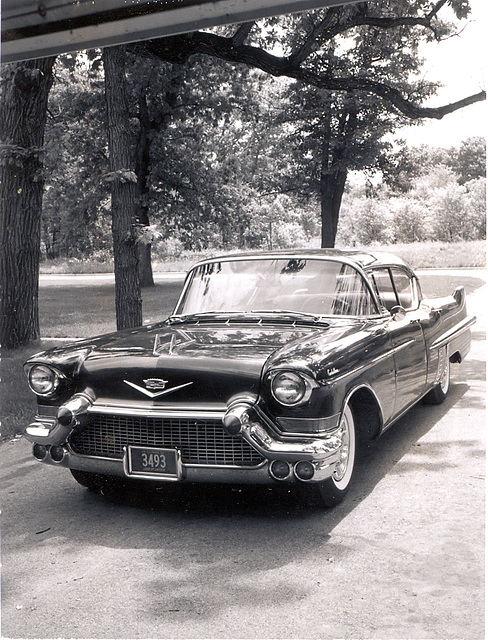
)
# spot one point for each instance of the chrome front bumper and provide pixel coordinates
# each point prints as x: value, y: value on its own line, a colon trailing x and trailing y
x: 323, y: 452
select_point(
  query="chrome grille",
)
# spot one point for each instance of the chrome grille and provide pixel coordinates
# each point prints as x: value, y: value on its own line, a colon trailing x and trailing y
x: 200, y: 441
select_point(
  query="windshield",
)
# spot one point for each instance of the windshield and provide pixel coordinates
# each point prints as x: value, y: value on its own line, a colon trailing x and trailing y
x: 311, y: 286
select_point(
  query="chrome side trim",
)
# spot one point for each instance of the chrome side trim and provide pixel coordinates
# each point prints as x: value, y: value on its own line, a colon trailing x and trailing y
x: 452, y: 333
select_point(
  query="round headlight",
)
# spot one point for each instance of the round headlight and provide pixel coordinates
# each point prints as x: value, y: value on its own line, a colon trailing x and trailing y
x: 43, y: 380
x: 288, y: 387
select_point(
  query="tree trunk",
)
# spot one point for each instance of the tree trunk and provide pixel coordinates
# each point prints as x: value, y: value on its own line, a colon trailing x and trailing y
x: 23, y: 113
x: 142, y: 171
x: 128, y: 301
x: 331, y: 192
x: 333, y: 173
x: 145, y: 265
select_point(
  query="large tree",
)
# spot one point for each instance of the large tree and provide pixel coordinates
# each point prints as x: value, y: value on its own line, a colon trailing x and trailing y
x: 254, y: 47
x: 332, y: 132
x: 365, y: 87
x: 128, y: 300
x: 23, y: 108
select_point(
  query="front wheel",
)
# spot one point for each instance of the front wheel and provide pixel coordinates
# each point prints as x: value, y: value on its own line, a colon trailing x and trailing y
x: 98, y: 482
x: 334, y: 489
x: 91, y: 481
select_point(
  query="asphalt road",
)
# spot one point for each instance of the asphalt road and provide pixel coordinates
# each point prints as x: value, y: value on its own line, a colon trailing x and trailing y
x: 402, y: 557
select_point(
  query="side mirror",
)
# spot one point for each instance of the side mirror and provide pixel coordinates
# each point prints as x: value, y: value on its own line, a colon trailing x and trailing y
x: 398, y: 313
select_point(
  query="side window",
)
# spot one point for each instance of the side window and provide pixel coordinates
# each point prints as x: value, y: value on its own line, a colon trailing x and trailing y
x: 384, y: 288
x: 352, y: 296
x: 403, y: 286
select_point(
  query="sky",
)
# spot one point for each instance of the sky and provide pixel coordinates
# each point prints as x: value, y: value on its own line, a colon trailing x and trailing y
x: 460, y: 65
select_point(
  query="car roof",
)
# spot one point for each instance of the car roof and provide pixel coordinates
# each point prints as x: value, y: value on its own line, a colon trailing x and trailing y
x: 364, y: 259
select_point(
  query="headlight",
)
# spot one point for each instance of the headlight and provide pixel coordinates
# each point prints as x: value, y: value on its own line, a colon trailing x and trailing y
x: 43, y: 380
x: 290, y: 388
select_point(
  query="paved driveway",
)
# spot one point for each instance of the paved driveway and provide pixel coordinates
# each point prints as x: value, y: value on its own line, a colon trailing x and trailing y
x: 402, y: 557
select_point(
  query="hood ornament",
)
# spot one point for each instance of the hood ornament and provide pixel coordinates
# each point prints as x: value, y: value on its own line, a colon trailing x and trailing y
x: 156, y: 383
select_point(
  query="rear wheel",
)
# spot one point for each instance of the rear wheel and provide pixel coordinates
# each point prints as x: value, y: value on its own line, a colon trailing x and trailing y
x: 438, y: 394
x: 334, y: 489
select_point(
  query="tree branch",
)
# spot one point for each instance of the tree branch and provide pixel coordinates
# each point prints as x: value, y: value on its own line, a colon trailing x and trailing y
x: 318, y: 31
x: 178, y: 49
x: 242, y: 32
x: 331, y: 26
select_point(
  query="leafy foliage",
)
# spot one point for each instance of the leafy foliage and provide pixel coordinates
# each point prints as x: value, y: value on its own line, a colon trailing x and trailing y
x: 435, y: 205
x: 76, y: 197
x: 231, y: 157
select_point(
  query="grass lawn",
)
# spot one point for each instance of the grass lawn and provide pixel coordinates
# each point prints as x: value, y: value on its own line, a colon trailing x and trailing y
x: 68, y: 311
x: 420, y: 255
x: 78, y: 311
x: 18, y: 403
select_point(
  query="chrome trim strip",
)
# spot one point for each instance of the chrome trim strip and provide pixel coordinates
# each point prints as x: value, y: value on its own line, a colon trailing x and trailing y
x: 155, y: 412
x: 84, y: 456
x: 454, y: 332
x: 226, y: 466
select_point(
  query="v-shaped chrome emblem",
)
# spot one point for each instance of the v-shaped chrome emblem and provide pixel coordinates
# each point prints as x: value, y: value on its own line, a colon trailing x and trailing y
x: 157, y: 394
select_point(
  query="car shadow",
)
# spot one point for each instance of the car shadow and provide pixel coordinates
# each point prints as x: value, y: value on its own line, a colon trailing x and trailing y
x: 224, y: 537
x: 285, y: 502
x: 206, y: 542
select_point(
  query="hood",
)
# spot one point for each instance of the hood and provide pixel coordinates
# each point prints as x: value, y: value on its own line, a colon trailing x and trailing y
x: 188, y: 363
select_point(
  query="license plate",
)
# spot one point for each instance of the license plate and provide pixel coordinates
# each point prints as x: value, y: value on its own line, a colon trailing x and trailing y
x: 153, y: 463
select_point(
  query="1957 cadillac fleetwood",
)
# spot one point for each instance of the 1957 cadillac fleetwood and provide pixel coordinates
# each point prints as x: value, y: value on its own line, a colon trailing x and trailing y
x: 274, y: 368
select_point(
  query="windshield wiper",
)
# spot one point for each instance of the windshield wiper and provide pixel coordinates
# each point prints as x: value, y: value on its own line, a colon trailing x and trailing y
x: 189, y: 317
x: 287, y: 312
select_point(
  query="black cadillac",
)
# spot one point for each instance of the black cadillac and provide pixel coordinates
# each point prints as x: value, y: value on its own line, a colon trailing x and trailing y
x: 274, y: 368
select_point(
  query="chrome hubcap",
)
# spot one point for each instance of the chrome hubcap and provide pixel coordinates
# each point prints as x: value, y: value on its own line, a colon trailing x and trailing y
x: 444, y: 367
x: 341, y: 466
